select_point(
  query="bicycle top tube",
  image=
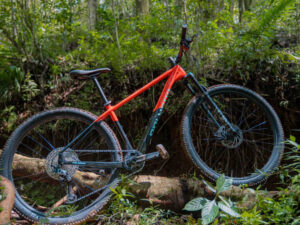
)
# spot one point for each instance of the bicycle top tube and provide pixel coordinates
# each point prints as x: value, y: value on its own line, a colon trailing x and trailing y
x: 175, y: 74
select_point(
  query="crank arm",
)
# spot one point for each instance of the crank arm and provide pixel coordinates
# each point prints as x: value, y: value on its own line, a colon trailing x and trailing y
x: 147, y: 157
x: 161, y: 152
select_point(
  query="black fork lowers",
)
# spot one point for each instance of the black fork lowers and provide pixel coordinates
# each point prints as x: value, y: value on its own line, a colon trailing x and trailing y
x: 202, y: 90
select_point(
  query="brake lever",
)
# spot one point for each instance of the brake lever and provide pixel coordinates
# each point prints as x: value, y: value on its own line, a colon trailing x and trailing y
x: 190, y: 40
x: 194, y: 36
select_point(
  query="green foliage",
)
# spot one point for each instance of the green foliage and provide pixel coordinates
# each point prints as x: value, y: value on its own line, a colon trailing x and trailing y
x: 293, y: 154
x: 123, y: 209
x: 2, y: 196
x: 209, y: 212
x: 210, y: 209
x: 29, y: 89
x: 195, y: 204
x: 284, y: 208
x: 273, y: 13
x: 9, y: 117
x: 10, y: 82
x: 281, y: 210
x: 46, y: 39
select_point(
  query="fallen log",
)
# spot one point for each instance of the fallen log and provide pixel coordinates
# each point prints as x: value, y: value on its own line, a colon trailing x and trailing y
x: 172, y: 193
x: 35, y: 168
x: 7, y: 203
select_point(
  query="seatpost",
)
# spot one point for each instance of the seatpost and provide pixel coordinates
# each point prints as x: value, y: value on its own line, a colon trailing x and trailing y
x: 107, y: 106
x: 106, y: 102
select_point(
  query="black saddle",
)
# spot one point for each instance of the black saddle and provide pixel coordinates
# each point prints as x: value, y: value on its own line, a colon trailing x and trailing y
x: 88, y: 74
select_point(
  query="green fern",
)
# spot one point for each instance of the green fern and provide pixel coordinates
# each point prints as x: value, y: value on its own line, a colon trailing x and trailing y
x: 273, y: 14
x: 10, y: 82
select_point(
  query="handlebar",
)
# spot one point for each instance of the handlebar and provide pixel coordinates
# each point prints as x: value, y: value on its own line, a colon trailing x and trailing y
x: 183, y: 32
x: 184, y: 45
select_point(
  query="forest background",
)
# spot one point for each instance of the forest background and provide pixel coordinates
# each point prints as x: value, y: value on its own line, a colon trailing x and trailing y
x: 247, y: 42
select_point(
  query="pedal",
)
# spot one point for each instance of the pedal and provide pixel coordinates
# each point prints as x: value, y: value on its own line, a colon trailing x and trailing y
x: 162, y: 151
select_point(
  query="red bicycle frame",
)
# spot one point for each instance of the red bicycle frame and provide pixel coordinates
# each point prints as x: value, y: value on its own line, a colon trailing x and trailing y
x: 176, y: 73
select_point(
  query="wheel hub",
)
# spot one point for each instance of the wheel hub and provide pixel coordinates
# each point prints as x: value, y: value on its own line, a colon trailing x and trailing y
x: 52, y: 166
x: 229, y: 138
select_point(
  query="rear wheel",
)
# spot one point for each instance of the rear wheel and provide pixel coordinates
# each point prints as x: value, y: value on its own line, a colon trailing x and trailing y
x: 248, y: 155
x: 30, y: 157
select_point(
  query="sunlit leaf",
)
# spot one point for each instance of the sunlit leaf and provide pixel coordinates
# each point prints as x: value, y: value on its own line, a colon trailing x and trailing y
x: 209, y: 212
x: 195, y: 204
x: 228, y: 210
x: 223, y: 184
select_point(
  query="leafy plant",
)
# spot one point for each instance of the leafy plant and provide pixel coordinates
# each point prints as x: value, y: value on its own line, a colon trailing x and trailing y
x: 211, y: 208
x: 123, y: 209
x: 10, y: 82
x: 2, y: 196
x: 293, y: 154
x: 11, y: 117
x: 29, y: 88
x: 281, y: 209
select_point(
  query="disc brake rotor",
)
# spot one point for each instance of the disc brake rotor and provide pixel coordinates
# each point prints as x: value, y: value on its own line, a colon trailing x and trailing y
x: 230, y: 140
x: 52, y: 163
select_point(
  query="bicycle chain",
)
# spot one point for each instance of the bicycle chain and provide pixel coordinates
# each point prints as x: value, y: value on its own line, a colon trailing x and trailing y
x: 96, y: 151
x: 114, y: 182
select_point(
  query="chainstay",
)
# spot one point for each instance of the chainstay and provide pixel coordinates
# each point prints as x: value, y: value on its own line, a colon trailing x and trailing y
x: 116, y: 181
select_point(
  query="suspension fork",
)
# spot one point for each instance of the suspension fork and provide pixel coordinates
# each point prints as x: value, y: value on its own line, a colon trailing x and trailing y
x: 190, y: 77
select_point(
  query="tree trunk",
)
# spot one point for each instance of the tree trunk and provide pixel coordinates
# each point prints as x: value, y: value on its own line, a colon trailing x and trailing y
x: 142, y: 7
x: 116, y: 27
x: 241, y: 10
x: 247, y: 4
x: 92, y: 4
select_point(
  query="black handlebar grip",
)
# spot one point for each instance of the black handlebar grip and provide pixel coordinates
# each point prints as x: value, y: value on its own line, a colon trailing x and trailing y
x: 183, y: 33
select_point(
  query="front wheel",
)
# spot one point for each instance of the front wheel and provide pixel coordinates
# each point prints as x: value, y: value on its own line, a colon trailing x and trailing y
x: 248, y: 154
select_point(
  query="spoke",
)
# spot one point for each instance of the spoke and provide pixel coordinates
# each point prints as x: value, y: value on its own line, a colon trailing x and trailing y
x: 247, y: 117
x: 256, y: 142
x: 258, y: 147
x: 46, y: 140
x: 82, y: 138
x: 253, y: 132
x: 245, y: 131
x: 93, y: 141
x: 204, y: 119
x: 42, y: 177
x: 243, y: 111
x: 40, y: 144
x: 212, y: 139
x: 220, y: 156
x: 31, y: 150
x: 230, y: 103
x: 68, y: 139
x: 23, y: 177
x: 21, y: 153
x: 242, y: 164
x: 258, y: 125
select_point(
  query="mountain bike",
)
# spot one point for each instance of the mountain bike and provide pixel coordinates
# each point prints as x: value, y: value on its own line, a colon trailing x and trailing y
x: 76, y: 158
